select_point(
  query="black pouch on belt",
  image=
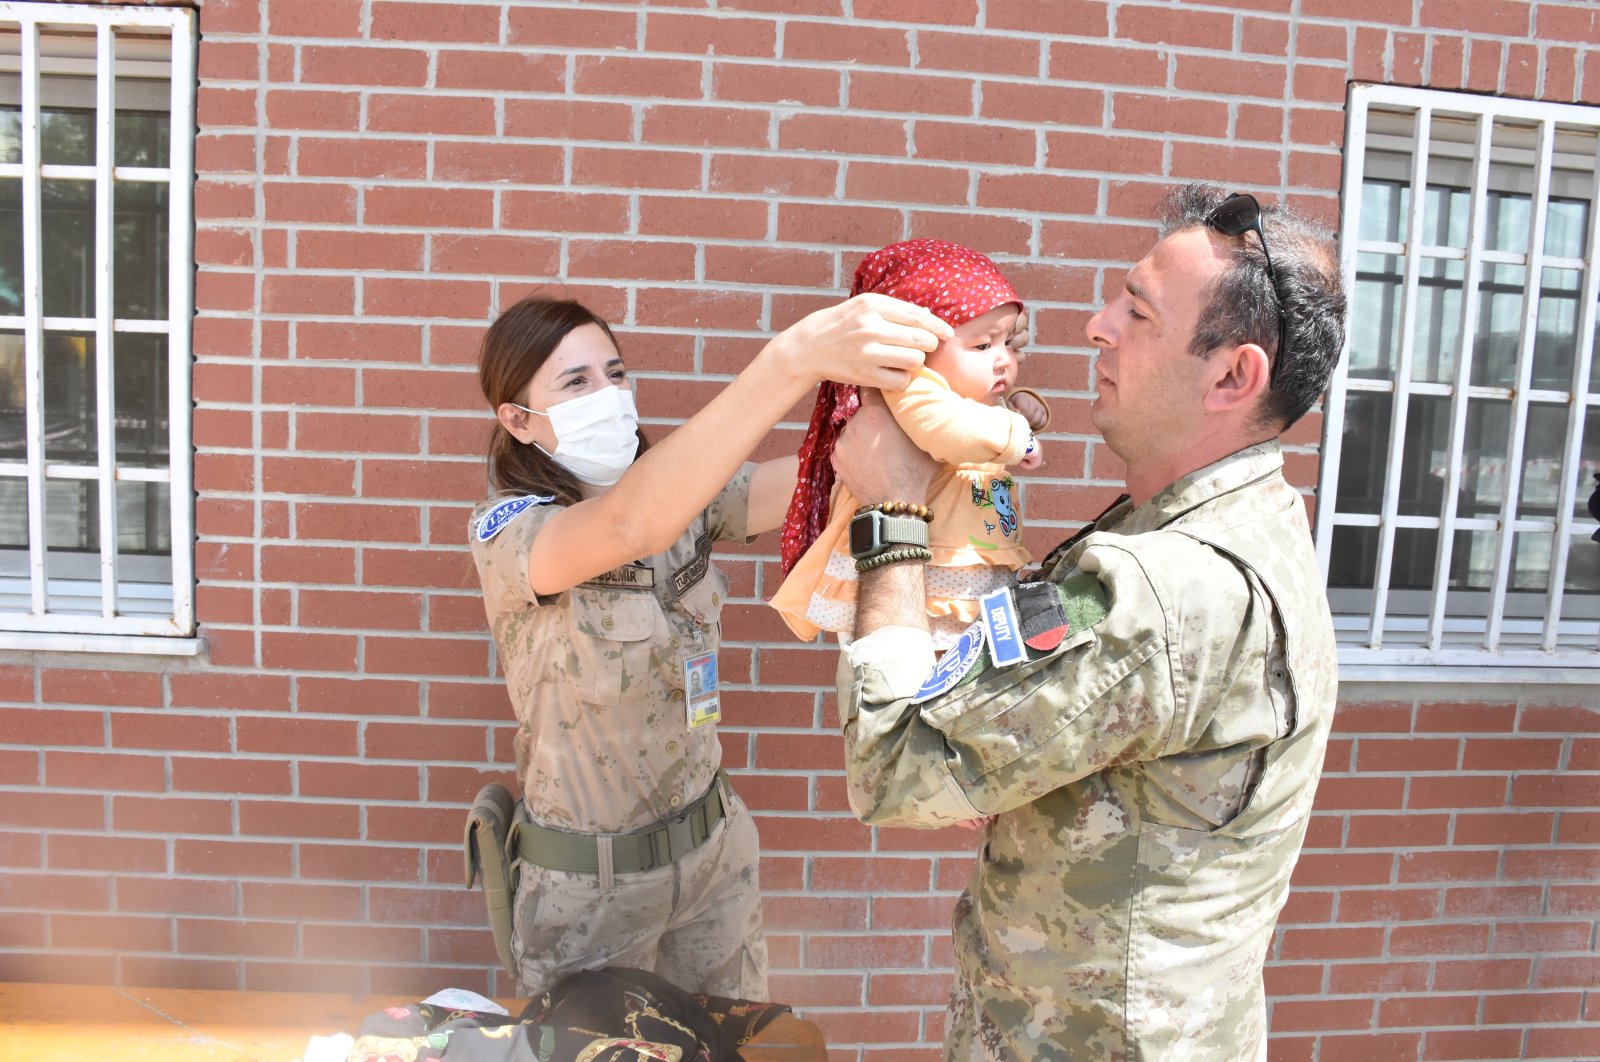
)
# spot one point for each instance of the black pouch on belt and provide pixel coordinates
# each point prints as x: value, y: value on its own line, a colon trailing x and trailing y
x: 485, y: 848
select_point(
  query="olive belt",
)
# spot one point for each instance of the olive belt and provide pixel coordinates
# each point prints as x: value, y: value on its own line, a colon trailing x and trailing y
x: 654, y: 846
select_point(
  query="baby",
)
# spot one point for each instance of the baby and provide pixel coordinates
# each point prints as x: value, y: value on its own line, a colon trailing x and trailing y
x: 963, y: 409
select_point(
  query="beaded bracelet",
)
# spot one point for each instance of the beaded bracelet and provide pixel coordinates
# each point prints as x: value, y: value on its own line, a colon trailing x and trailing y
x: 894, y: 508
x: 894, y: 556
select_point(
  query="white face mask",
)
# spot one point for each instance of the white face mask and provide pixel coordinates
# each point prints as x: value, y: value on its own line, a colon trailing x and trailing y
x: 596, y: 435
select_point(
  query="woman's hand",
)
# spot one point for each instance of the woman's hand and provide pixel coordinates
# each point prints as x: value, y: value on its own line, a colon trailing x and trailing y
x: 870, y: 340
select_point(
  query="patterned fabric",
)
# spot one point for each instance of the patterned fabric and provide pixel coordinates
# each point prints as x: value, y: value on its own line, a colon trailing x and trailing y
x: 956, y: 284
x: 1152, y: 777
x: 611, y: 1015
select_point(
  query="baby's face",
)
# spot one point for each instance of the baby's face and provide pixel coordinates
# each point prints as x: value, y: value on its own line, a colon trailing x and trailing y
x: 976, y: 361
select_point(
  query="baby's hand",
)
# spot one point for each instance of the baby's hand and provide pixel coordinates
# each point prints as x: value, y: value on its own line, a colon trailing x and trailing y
x: 1033, y: 460
x: 1029, y: 405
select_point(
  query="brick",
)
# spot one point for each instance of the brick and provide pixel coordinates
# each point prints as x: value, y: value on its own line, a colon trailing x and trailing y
x: 553, y: 28
x: 953, y: 141
x: 838, y: 224
x: 119, y: 933
x: 438, y: 23
x: 295, y: 651
x: 1342, y: 943
x: 426, y: 907
x: 432, y: 656
x: 1411, y: 754
x: 1511, y: 828
x: 1321, y: 1015
x: 1563, y: 1043
x: 1398, y: 831
x: 167, y: 895
x: 364, y: 863
x: 308, y: 564
x: 1211, y: 30
x: 312, y: 109
x: 1385, y: 978
x: 499, y: 70
x: 1388, y: 905
x: 532, y: 163
x: 847, y: 134
x: 695, y: 34
x: 235, y: 938
x: 1426, y: 1012
x: 313, y: 903
x: 231, y: 775
x: 331, y: 295
x: 568, y: 119
x: 1561, y: 719
x: 444, y: 742
x: 359, y: 780
x: 356, y: 341
x: 1540, y: 938
x: 1448, y: 866
x: 1579, y: 23
x: 759, y: 175
x: 1553, y: 790
x: 452, y: 299
x: 113, y: 688
x: 700, y: 125
x: 1102, y: 65
x: 308, y: 475
x: 1142, y: 113
x: 363, y: 66
x: 75, y: 811
x: 841, y: 43
x: 287, y: 818
x: 634, y: 76
x: 289, y: 385
x: 208, y: 857
x: 1459, y: 791
x: 165, y: 814
x: 338, y: 979
x: 776, y: 84
x: 767, y: 265
x: 169, y: 731
x: 417, y: 113
x: 564, y: 212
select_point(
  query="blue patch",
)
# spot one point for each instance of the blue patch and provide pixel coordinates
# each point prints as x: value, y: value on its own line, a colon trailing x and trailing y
x: 1002, y: 628
x: 953, y: 665
x: 495, y: 520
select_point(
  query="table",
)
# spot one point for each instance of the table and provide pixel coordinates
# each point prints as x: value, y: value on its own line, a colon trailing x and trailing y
x: 94, y: 1023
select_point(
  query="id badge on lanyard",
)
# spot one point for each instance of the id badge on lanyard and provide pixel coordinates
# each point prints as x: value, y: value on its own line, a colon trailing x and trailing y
x: 700, y: 688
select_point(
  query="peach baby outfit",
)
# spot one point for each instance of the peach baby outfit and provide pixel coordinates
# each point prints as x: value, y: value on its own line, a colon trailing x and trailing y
x: 975, y: 536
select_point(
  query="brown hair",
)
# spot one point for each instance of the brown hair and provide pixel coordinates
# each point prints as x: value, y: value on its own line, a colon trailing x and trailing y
x: 520, y: 341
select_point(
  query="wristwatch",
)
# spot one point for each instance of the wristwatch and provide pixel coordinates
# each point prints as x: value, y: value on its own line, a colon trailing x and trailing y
x: 872, y: 533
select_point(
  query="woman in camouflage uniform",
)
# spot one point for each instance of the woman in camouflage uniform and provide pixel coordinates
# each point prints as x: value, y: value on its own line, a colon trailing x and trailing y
x: 594, y: 556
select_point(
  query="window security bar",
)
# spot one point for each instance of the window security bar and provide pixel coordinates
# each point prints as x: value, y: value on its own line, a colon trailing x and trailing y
x: 1569, y: 633
x: 48, y: 600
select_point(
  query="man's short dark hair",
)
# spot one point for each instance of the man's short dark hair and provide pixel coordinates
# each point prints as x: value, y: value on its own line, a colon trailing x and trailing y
x: 1243, y: 308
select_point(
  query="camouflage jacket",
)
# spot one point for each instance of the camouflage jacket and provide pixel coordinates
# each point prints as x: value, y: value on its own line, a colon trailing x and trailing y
x: 1152, y: 776
x: 595, y: 673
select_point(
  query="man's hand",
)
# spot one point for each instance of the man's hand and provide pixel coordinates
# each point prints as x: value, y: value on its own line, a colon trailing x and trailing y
x: 876, y: 461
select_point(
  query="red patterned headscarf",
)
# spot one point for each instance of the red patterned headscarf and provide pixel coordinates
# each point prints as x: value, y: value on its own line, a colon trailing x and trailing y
x: 956, y: 284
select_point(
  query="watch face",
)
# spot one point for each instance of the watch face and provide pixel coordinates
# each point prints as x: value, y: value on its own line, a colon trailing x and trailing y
x: 863, y: 533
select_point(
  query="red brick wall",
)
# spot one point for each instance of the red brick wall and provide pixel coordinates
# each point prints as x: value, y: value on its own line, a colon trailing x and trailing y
x: 376, y: 177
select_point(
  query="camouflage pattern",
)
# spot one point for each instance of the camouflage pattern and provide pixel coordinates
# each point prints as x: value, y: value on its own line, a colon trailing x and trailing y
x: 1152, y: 778
x: 603, y: 743
x: 696, y: 922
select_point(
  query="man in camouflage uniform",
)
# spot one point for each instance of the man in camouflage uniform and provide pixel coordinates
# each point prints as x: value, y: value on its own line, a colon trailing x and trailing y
x: 1150, y: 751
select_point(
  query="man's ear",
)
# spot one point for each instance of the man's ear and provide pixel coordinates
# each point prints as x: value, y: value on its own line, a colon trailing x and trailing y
x: 1237, y: 377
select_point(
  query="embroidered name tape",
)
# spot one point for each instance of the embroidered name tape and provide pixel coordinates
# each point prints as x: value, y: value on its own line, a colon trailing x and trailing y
x: 1001, y: 628
x: 495, y: 520
x: 953, y: 665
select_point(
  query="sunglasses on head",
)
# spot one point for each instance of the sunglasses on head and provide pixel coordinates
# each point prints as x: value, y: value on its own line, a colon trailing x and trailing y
x: 1235, y: 216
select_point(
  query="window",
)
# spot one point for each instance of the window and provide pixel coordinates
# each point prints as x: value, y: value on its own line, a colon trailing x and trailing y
x: 96, y: 169
x: 1463, y: 425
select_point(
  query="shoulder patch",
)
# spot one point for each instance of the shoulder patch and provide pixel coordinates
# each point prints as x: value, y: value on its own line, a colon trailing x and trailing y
x: 953, y: 665
x: 1002, y: 628
x: 495, y: 520
x: 1083, y: 599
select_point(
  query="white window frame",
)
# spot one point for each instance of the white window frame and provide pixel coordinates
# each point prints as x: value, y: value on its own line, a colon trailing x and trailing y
x: 81, y: 614
x: 1442, y: 647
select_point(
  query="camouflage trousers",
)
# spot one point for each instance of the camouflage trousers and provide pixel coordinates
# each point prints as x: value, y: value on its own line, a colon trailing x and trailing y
x: 697, y: 922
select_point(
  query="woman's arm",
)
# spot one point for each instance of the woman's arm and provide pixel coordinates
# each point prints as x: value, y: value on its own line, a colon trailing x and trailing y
x: 870, y: 340
x: 771, y: 489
